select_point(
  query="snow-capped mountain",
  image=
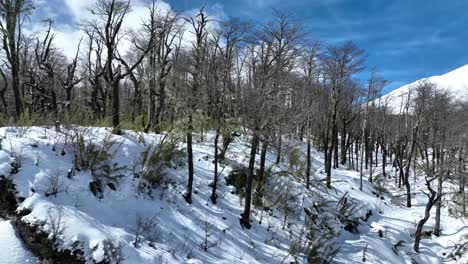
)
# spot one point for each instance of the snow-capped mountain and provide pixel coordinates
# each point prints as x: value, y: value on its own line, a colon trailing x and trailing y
x: 454, y: 82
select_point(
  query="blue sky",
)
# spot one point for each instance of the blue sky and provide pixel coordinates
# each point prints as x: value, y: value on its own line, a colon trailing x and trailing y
x: 404, y: 39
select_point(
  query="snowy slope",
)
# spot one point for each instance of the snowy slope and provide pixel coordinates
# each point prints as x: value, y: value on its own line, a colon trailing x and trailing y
x: 93, y: 224
x: 12, y: 251
x: 454, y: 82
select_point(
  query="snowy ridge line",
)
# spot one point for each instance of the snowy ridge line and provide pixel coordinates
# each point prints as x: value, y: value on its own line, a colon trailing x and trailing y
x: 454, y: 82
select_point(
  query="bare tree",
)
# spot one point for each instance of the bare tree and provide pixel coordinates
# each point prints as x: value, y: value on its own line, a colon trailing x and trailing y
x: 225, y: 45
x: 273, y: 53
x: 341, y: 63
x: 13, y: 13
x: 310, y: 67
x: 199, y: 27
x: 167, y: 31
x: 108, y: 27
x: 374, y: 84
x: 70, y: 80
x: 56, y: 222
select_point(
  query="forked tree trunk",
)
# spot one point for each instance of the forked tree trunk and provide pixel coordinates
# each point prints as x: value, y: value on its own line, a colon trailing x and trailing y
x: 335, y: 153
x: 328, y: 164
x: 433, y: 198
x: 227, y: 139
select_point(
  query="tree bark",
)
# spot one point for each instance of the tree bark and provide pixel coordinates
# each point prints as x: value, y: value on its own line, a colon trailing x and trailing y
x: 308, y: 162
x: 384, y: 162
x: 245, y: 216
x: 278, y: 155
x: 433, y: 198
x: 215, y: 180
x: 439, y: 204
x: 116, y: 107
x: 188, y: 193
x: 261, y: 171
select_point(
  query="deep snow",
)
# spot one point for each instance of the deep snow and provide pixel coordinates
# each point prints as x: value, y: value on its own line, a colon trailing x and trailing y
x: 93, y: 224
x: 12, y: 251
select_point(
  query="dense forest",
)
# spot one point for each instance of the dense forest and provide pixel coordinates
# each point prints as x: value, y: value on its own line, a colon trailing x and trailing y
x: 196, y: 76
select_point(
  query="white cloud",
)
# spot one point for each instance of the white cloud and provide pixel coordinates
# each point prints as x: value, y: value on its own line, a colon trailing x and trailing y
x: 68, y: 36
x: 80, y: 9
x: 67, y: 40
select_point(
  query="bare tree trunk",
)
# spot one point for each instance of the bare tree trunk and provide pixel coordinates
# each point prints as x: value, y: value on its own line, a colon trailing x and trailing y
x: 278, y: 155
x: 400, y: 177
x: 361, y: 170
x: 366, y: 151
x: 11, y: 12
x: 384, y: 162
x: 245, y: 216
x: 138, y: 102
x: 370, y: 164
x: 308, y: 162
x: 439, y: 203
x: 356, y: 154
x: 408, y: 193
x: 215, y: 181
x: 261, y: 171
x: 116, y: 107
x: 188, y: 193
x: 161, y: 104
x: 376, y: 155
x: 328, y: 164
x: 343, y: 146
x: 350, y: 157
x: 151, y: 109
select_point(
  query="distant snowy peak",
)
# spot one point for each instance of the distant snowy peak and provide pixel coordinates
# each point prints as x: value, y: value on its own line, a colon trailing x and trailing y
x: 454, y: 82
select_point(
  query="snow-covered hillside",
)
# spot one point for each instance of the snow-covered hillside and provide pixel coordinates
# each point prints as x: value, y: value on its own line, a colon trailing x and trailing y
x: 454, y: 82
x: 104, y: 227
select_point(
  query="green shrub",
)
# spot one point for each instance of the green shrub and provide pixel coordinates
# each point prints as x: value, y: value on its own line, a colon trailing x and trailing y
x: 378, y: 186
x: 89, y: 155
x: 346, y: 210
x: 294, y: 158
x: 322, y: 247
x: 321, y: 251
x: 237, y: 178
x: 98, y: 160
x: 156, y: 160
x: 258, y: 196
x: 136, y: 125
x: 28, y: 119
